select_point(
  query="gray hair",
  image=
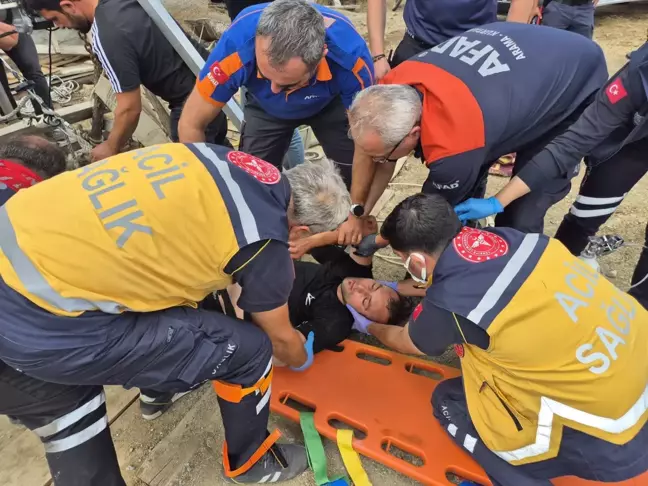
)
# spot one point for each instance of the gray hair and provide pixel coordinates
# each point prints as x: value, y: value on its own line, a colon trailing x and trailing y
x: 320, y: 198
x: 295, y: 29
x: 390, y: 110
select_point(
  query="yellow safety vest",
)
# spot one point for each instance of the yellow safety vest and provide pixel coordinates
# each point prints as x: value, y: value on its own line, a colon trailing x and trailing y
x: 567, y: 348
x: 141, y: 231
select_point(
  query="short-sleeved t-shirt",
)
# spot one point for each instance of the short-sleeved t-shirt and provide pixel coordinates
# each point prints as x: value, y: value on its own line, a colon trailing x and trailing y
x: 432, y: 329
x: 434, y: 21
x: 314, y: 304
x: 346, y: 69
x: 133, y: 52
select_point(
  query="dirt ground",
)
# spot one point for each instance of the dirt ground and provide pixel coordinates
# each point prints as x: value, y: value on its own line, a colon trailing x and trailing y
x: 618, y: 30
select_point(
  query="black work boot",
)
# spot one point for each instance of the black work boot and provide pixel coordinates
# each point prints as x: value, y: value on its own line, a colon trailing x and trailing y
x: 281, y: 463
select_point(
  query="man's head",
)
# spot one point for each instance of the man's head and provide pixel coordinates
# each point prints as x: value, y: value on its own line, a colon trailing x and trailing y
x: 44, y: 158
x: 418, y: 230
x: 376, y: 301
x: 319, y: 199
x: 385, y: 121
x: 68, y: 14
x: 290, y: 44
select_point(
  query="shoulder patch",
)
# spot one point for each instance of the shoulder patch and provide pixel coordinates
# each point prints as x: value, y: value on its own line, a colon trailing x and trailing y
x: 259, y: 169
x: 616, y: 91
x: 478, y: 246
x: 459, y: 349
x: 216, y: 74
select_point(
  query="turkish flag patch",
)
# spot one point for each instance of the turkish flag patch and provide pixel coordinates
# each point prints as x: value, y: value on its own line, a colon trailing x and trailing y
x: 459, y: 349
x: 257, y: 168
x: 417, y: 312
x: 216, y: 74
x: 477, y: 246
x: 616, y: 91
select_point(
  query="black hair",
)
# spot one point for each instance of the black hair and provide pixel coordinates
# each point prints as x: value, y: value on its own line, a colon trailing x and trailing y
x: 400, y: 309
x: 35, y: 6
x: 43, y: 157
x: 422, y: 222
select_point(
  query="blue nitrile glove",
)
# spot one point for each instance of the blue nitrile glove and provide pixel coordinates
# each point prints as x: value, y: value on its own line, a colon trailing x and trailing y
x: 367, y: 246
x: 478, y: 208
x: 308, y: 346
x: 360, y: 322
x: 391, y: 285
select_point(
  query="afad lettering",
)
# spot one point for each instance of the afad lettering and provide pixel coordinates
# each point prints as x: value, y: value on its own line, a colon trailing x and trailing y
x: 513, y: 47
x: 445, y: 187
x: 473, y: 52
x: 126, y: 215
x: 620, y: 312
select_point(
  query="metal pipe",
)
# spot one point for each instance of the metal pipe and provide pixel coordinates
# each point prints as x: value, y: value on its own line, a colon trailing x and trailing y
x: 186, y: 49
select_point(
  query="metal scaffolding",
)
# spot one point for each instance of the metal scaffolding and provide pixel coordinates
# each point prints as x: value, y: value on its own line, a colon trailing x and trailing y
x: 185, y: 48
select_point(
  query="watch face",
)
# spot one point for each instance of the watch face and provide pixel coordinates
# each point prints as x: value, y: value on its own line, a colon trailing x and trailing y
x: 357, y: 210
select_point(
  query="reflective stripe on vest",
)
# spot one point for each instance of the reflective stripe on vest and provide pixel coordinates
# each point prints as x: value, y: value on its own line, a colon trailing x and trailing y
x: 549, y: 408
x: 248, y: 221
x: 504, y: 279
x: 33, y: 280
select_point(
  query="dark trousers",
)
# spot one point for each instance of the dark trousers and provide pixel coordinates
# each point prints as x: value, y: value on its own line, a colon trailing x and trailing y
x: 71, y: 422
x: 573, y: 18
x: 527, y: 213
x: 268, y: 138
x: 602, y: 191
x: 170, y: 350
x: 407, y: 48
x: 580, y: 455
x: 25, y: 58
x: 215, y: 133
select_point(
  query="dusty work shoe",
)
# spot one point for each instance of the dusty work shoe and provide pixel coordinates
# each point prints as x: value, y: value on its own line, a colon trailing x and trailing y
x: 152, y: 407
x: 281, y: 463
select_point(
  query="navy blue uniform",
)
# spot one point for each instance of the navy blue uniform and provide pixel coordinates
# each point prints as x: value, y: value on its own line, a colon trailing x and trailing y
x: 497, y: 89
x: 430, y: 23
x: 613, y: 135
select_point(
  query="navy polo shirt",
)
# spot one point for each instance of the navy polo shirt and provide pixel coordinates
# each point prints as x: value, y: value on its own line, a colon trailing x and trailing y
x: 435, y: 21
x: 346, y: 69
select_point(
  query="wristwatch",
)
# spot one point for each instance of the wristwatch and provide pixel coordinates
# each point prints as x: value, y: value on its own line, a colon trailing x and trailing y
x: 357, y: 210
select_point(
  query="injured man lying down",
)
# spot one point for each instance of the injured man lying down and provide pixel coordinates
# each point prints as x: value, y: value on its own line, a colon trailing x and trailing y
x: 330, y: 298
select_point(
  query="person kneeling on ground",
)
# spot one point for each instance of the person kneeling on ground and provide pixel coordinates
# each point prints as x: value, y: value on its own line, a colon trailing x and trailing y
x: 335, y: 298
x: 163, y: 227
x: 553, y: 355
x: 70, y: 420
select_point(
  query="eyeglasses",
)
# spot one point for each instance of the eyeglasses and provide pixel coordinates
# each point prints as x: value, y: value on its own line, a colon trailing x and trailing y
x: 387, y: 158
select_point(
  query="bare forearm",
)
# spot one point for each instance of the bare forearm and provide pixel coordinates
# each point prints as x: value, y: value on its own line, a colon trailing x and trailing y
x: 376, y: 15
x: 515, y: 189
x: 521, y: 10
x: 191, y: 134
x: 394, y: 337
x: 290, y: 350
x: 382, y: 175
x: 411, y: 288
x: 126, y: 120
x: 362, y: 177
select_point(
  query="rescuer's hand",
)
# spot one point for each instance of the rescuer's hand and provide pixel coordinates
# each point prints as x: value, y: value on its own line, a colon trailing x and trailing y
x: 478, y: 208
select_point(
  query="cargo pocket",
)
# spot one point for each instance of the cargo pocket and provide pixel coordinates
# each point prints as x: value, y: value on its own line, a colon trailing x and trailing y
x: 155, y: 371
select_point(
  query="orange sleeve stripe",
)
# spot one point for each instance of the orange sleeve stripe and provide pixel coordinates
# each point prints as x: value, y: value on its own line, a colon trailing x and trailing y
x: 231, y: 63
x: 206, y: 90
x: 359, y: 66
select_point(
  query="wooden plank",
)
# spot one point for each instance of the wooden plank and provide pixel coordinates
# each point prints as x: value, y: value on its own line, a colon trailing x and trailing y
x: 381, y: 202
x: 71, y: 114
x: 167, y: 460
x: 23, y: 458
x: 70, y: 50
